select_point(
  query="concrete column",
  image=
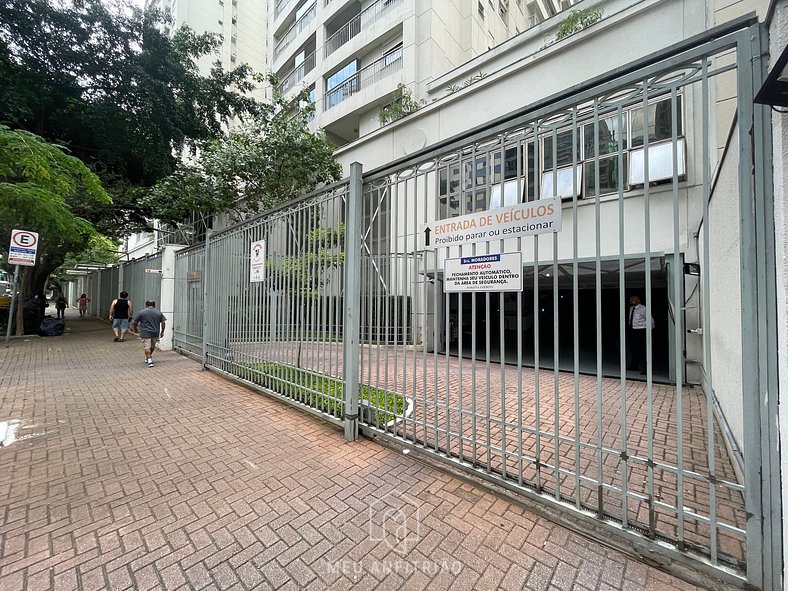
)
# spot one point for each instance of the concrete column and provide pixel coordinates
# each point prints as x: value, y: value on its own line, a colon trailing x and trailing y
x: 167, y: 303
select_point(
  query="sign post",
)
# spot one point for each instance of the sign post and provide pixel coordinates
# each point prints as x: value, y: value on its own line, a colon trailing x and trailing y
x: 21, y: 252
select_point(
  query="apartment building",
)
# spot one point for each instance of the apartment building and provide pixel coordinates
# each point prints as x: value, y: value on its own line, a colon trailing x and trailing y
x: 241, y: 24
x: 352, y: 55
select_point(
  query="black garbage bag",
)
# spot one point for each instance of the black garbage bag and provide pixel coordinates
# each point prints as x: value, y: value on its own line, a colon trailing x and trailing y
x: 51, y: 327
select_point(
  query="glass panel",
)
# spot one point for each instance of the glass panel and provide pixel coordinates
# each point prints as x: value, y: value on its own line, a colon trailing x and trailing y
x: 564, y: 182
x: 660, y: 162
x: 564, y: 149
x: 611, y: 138
x: 510, y: 195
x: 341, y: 75
x: 659, y: 122
x: 608, y: 176
x: 480, y: 174
x: 475, y: 202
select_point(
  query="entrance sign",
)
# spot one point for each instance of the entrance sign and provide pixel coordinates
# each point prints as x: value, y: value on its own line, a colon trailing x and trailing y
x: 515, y: 221
x: 22, y: 250
x: 257, y: 266
x: 486, y: 272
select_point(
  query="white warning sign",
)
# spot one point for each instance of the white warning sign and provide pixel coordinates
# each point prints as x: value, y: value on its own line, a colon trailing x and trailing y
x: 257, y: 263
x: 486, y: 272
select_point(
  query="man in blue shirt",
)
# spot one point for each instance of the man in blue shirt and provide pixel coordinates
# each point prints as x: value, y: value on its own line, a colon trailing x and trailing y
x: 149, y: 320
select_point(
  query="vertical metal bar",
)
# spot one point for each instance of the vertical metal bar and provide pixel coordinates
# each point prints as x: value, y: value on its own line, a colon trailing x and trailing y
x: 652, y: 521
x: 352, y: 303
x: 502, y: 315
x: 678, y: 300
x: 537, y: 401
x: 522, y: 171
x: 12, y: 309
x: 622, y: 330
x: 206, y: 315
x: 575, y: 306
x: 768, y: 320
x: 425, y: 357
x: 598, y: 294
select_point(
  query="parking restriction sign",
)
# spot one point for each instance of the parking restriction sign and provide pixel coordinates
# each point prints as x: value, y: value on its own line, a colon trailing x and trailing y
x: 23, y: 248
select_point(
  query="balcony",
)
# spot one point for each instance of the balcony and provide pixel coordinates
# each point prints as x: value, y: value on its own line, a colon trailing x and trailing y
x: 353, y: 27
x: 364, y: 78
x: 298, y: 73
x: 299, y: 26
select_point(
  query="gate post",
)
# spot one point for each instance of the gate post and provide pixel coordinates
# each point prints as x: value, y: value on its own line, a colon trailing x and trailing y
x: 205, y: 293
x: 352, y: 303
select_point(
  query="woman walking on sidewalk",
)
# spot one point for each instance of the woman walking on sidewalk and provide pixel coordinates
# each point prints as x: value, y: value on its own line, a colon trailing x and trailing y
x: 82, y: 302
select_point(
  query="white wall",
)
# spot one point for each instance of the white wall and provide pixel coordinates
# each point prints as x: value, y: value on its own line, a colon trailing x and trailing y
x: 725, y: 293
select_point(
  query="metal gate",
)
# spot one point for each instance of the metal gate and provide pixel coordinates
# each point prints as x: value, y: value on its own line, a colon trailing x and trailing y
x: 533, y: 388
x: 347, y: 313
x: 281, y: 329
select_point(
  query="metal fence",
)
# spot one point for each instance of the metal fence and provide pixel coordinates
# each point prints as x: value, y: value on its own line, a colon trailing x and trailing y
x: 189, y: 311
x: 282, y: 329
x: 141, y: 278
x: 350, y: 312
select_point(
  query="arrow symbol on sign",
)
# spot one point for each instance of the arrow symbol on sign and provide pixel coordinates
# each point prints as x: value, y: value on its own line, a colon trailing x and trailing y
x: 427, y: 236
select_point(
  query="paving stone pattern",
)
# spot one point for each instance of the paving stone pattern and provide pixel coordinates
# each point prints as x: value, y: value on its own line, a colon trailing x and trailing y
x: 128, y: 477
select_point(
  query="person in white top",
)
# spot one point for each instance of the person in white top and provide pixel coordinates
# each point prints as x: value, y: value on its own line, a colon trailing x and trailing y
x: 637, y: 316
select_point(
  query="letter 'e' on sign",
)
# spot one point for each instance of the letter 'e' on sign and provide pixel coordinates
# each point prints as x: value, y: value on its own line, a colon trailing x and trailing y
x: 23, y: 248
x: 257, y: 264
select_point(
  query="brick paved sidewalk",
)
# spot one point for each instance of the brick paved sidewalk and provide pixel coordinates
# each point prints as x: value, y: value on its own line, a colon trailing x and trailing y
x: 128, y: 477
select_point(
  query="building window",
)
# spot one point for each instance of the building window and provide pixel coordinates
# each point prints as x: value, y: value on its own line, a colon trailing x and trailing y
x: 344, y: 81
x: 613, y: 152
x: 481, y: 10
x: 495, y: 179
x: 604, y: 157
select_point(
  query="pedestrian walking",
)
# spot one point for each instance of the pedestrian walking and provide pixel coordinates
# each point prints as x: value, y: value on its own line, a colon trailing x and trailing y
x: 82, y: 303
x: 151, y: 324
x: 120, y: 311
x: 60, y: 305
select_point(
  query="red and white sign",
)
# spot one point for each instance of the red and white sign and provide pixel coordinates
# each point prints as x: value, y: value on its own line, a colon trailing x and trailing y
x: 24, y: 246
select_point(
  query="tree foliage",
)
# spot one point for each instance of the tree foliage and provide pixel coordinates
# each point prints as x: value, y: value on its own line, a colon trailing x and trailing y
x: 105, y: 82
x: 577, y: 21
x: 401, y: 105
x: 39, y: 184
x: 261, y: 164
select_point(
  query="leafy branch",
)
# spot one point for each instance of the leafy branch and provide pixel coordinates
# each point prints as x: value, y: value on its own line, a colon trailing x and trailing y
x: 577, y: 21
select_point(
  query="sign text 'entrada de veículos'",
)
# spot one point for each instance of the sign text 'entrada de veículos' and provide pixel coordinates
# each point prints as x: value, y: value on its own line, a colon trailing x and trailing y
x: 524, y: 219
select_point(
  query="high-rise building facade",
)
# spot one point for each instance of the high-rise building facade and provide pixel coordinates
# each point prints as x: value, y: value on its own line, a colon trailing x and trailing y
x: 352, y: 55
x: 242, y: 25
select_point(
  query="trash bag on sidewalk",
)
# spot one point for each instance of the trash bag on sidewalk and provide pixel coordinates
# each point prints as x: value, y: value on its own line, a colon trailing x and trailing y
x: 51, y: 327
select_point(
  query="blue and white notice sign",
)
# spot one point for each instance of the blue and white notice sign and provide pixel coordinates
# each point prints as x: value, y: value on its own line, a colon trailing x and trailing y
x: 486, y: 272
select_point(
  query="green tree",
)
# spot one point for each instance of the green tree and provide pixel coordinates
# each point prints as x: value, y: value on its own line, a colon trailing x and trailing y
x: 121, y: 95
x: 259, y: 165
x: 39, y: 183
